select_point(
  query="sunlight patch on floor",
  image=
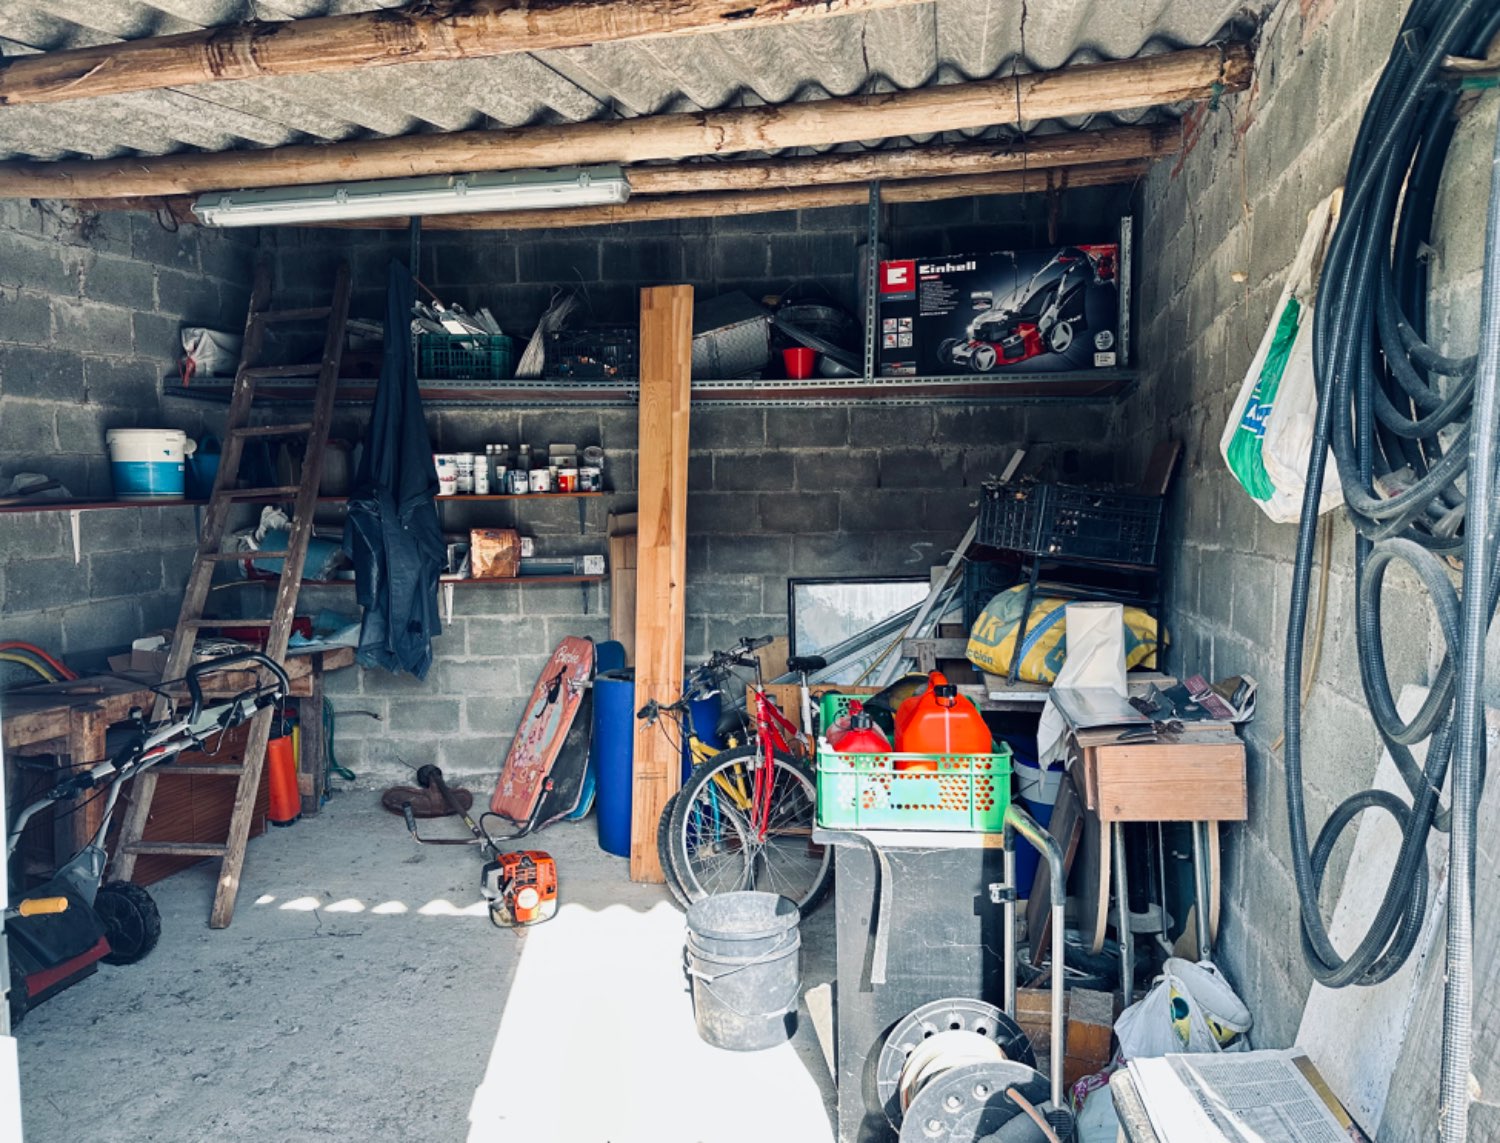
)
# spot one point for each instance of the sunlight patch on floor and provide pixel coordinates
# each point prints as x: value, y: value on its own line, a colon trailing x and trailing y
x: 597, y: 1045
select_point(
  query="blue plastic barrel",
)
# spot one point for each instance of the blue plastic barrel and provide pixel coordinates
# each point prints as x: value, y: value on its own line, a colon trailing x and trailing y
x: 1027, y: 858
x: 613, y: 751
x: 705, y: 713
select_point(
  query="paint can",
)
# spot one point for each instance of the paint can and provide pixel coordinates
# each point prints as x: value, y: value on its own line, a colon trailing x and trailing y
x: 541, y: 480
x: 149, y: 464
x: 464, y: 463
x: 567, y: 480
x: 447, y: 473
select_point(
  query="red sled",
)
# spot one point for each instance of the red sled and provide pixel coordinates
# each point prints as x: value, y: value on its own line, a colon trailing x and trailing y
x: 542, y: 778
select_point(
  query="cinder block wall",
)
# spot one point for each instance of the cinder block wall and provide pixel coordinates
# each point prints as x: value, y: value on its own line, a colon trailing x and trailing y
x: 773, y: 492
x: 90, y: 308
x: 1219, y: 230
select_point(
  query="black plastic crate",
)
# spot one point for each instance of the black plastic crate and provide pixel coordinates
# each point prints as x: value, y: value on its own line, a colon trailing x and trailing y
x: 982, y: 581
x: 593, y: 353
x: 1068, y: 522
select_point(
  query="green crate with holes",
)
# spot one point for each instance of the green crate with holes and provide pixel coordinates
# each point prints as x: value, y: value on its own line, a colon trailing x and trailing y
x: 957, y: 792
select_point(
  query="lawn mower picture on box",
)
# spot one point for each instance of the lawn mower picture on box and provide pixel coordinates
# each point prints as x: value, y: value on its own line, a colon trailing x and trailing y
x: 1047, y: 311
x: 1045, y: 318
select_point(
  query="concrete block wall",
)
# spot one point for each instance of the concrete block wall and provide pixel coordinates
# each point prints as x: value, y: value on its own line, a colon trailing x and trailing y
x: 1218, y: 231
x: 90, y: 308
x: 773, y: 492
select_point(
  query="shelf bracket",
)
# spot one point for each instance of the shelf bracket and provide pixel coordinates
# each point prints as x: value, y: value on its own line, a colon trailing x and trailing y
x: 75, y: 521
x: 583, y: 519
x: 585, y: 589
x: 448, y: 604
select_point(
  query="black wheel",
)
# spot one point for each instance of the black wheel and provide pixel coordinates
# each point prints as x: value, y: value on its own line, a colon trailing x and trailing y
x: 731, y: 832
x: 945, y: 350
x: 664, y: 851
x: 17, y: 995
x: 1060, y: 336
x: 131, y: 923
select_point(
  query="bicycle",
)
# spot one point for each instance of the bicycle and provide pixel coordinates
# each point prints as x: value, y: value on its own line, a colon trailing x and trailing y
x: 744, y: 817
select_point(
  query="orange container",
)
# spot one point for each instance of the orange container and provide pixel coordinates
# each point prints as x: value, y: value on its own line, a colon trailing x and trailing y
x: 281, y: 777
x: 942, y: 722
x: 909, y: 707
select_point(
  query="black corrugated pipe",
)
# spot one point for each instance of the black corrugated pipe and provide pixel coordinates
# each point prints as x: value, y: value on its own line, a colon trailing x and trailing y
x: 1390, y: 405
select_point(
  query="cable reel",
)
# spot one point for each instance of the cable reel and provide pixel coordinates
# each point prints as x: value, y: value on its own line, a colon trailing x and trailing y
x: 962, y: 1071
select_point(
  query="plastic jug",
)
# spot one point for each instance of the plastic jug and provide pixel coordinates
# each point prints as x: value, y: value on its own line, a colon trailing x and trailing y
x: 862, y: 735
x: 944, y: 722
x: 909, y: 706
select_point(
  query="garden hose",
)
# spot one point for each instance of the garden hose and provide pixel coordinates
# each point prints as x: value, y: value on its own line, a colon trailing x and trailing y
x: 26, y: 660
x: 1407, y: 426
x: 56, y: 666
x: 333, y: 763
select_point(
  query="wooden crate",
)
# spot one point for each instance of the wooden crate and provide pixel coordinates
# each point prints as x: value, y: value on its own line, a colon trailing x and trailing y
x: 1090, y: 1018
x: 1198, y: 775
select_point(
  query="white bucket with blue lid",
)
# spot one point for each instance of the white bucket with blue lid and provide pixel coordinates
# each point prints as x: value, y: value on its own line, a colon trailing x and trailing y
x: 148, y: 464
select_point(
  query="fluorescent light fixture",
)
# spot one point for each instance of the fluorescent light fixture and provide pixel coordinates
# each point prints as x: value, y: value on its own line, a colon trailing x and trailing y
x: 439, y: 194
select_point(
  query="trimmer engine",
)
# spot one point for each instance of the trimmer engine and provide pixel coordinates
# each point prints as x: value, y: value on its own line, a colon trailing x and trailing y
x: 521, y: 888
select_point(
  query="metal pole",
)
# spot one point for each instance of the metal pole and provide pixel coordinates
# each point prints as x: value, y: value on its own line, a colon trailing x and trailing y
x: 1201, y: 874
x: 1019, y: 821
x: 1127, y: 940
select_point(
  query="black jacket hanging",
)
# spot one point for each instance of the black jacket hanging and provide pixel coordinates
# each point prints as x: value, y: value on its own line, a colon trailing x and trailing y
x: 392, y: 533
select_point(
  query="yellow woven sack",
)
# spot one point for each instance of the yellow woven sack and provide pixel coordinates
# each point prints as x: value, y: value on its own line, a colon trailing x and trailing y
x: 993, y: 639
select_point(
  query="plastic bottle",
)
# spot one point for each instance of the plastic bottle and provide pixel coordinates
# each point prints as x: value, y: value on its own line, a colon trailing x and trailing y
x: 944, y: 722
x: 858, y: 734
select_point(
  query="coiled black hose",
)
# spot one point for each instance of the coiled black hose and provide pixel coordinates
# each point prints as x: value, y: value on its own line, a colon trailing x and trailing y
x: 1396, y: 416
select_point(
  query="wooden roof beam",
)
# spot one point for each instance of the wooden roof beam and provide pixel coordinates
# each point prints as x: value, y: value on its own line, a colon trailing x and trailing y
x: 419, y: 33
x: 1049, y: 152
x: 1172, y: 77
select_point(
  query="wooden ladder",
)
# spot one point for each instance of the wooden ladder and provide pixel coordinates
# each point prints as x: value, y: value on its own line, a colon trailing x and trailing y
x: 215, y: 523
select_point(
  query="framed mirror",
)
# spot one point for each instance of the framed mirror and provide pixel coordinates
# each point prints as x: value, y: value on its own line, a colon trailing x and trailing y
x: 826, y: 616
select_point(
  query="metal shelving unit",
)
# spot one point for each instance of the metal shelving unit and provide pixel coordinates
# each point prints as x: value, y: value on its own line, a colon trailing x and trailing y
x: 1089, y: 386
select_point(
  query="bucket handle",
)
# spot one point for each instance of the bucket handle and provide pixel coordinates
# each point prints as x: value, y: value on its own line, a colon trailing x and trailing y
x: 709, y: 979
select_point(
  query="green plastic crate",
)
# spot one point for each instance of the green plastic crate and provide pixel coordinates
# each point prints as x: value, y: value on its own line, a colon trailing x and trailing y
x: 967, y: 792
x: 464, y: 357
x: 833, y: 706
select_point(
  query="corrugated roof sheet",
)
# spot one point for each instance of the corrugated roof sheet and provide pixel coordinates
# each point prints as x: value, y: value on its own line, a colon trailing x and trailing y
x: 946, y: 41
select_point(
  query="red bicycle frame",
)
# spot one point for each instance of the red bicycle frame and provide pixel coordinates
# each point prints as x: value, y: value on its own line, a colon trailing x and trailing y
x: 774, y: 731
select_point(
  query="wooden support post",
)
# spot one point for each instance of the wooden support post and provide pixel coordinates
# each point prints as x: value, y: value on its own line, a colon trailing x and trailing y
x: 661, y: 561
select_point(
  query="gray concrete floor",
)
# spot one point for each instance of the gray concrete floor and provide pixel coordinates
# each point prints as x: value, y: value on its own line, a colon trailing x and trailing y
x: 362, y: 993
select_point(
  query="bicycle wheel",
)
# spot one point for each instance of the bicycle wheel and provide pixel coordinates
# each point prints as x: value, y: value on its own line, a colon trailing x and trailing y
x: 664, y: 853
x: 717, y: 846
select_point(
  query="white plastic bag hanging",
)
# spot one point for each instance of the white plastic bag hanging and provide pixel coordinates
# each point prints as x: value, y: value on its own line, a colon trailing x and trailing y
x: 1190, y: 1008
x: 1268, y: 439
x: 209, y: 353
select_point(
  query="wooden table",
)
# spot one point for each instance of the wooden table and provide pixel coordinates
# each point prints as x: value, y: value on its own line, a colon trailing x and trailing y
x: 70, y: 720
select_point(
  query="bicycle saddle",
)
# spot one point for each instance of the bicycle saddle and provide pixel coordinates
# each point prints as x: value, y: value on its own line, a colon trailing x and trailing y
x: 797, y: 664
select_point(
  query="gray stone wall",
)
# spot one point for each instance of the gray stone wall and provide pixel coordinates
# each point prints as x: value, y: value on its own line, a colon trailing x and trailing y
x: 90, y: 307
x: 1219, y: 230
x: 773, y: 493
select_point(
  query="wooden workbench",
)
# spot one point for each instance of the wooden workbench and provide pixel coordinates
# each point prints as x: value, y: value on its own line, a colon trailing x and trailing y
x: 70, y: 720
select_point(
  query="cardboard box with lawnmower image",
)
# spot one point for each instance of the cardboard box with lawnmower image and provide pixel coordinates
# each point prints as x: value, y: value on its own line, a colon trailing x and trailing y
x: 1055, y: 310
